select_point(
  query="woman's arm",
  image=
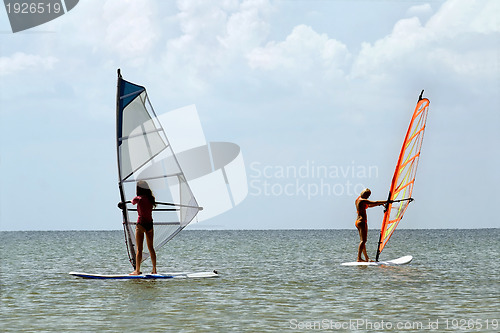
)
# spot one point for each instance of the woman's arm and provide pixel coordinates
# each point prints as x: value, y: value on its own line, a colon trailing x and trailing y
x: 121, y: 205
x: 376, y: 203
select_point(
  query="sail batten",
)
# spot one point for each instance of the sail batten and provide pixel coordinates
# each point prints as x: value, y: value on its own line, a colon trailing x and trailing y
x: 145, y: 154
x: 150, y: 178
x: 410, y: 160
x: 132, y: 93
x: 404, y: 175
x: 139, y: 134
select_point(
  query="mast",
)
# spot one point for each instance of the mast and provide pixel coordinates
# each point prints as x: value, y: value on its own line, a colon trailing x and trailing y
x: 119, y: 118
x: 386, y: 211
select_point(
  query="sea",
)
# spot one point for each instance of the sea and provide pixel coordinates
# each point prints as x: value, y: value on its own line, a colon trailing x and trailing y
x: 270, y: 281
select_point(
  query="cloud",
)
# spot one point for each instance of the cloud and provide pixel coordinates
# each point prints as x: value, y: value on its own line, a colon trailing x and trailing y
x: 457, y: 17
x: 130, y: 27
x: 406, y: 37
x: 443, y: 42
x: 474, y: 63
x: 420, y: 10
x: 302, y: 50
x: 457, y: 40
x: 226, y: 25
x: 214, y: 36
x: 247, y: 27
x: 124, y: 30
x: 20, y: 61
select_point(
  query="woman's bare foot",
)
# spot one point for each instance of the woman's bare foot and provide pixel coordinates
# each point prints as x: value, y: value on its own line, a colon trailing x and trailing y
x: 135, y: 273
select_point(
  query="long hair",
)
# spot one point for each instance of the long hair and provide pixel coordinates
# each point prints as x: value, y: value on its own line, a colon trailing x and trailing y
x: 143, y: 190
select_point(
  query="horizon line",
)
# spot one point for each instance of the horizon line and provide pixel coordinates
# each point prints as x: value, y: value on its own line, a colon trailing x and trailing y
x: 271, y: 229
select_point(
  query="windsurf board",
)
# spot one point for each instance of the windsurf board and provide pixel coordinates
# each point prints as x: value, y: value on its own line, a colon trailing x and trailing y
x: 399, y: 261
x: 179, y: 275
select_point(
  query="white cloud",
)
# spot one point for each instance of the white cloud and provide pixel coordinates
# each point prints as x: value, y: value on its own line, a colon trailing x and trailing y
x: 130, y: 27
x: 476, y: 63
x: 457, y: 17
x: 125, y: 30
x: 247, y: 27
x: 420, y: 10
x: 214, y: 35
x: 413, y: 48
x: 444, y: 41
x: 302, y: 50
x: 406, y: 37
x: 20, y: 61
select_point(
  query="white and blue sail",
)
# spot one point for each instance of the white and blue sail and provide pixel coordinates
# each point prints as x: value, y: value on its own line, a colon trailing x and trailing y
x: 144, y: 153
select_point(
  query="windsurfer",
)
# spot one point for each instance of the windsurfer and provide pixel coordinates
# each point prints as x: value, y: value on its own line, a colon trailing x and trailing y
x: 145, y: 202
x: 362, y: 203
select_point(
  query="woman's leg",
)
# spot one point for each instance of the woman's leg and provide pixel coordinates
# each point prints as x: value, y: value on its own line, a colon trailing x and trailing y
x: 139, y: 240
x: 152, y: 252
x: 364, y: 238
x: 363, y: 235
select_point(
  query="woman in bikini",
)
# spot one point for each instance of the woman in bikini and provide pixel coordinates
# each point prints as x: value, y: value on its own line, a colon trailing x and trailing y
x: 145, y: 202
x: 362, y: 203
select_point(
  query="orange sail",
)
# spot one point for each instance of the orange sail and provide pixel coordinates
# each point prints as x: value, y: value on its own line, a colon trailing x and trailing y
x: 404, y: 175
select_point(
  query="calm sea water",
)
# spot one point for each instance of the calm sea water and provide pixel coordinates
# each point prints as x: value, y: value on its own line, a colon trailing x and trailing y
x: 269, y: 281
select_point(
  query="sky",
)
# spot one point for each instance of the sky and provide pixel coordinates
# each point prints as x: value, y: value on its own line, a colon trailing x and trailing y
x: 300, y: 86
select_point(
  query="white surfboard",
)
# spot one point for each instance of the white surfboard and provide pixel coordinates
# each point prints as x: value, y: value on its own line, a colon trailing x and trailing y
x: 398, y: 261
x: 180, y: 275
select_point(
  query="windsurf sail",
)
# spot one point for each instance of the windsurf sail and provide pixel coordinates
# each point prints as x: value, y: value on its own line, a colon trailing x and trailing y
x: 404, y: 175
x: 145, y: 154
